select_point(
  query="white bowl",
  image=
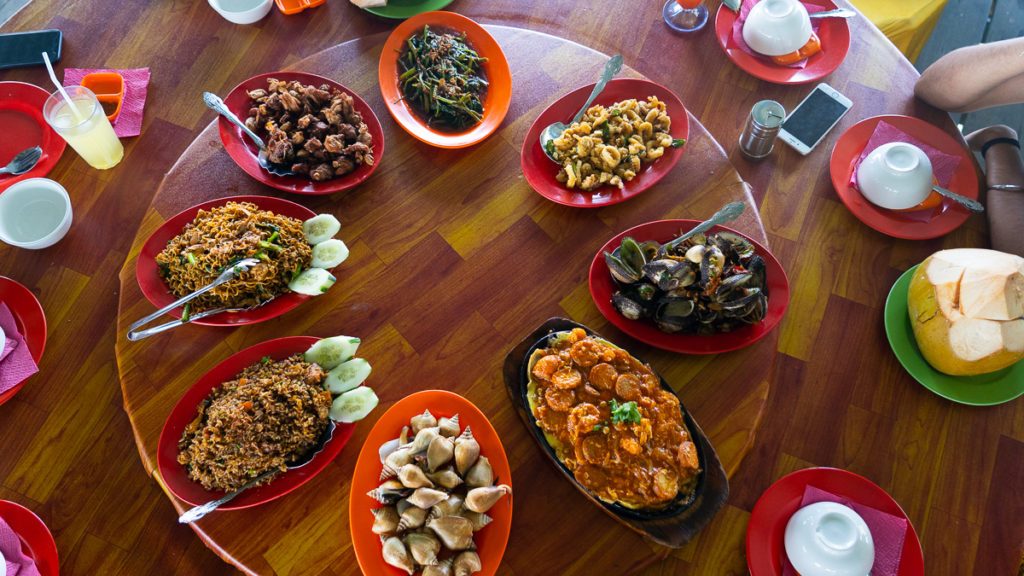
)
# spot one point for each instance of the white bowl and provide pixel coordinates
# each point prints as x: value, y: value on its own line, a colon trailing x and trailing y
x: 896, y: 176
x: 829, y: 539
x: 242, y: 11
x: 34, y: 213
x: 777, y: 27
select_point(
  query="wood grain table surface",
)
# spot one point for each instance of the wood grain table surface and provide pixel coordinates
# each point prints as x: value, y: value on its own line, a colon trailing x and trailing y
x: 835, y: 395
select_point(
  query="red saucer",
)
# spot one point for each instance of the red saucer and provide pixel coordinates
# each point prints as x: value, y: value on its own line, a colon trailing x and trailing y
x: 919, y: 225
x: 765, y: 548
x: 36, y: 540
x: 21, y: 115
x: 31, y: 322
x: 835, y: 43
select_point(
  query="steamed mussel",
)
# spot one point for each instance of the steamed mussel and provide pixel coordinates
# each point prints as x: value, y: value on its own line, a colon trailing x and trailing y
x: 706, y: 284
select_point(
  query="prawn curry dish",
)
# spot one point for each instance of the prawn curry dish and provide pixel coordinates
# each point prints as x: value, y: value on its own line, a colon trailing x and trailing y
x: 611, y: 423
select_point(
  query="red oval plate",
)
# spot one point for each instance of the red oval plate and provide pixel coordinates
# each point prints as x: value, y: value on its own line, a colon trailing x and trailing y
x: 499, y: 91
x: 919, y: 225
x: 36, y: 539
x: 156, y: 291
x: 540, y: 171
x: 490, y: 541
x: 835, y: 43
x: 21, y: 115
x: 245, y: 153
x: 602, y: 287
x: 174, y: 475
x: 30, y: 320
x: 765, y: 548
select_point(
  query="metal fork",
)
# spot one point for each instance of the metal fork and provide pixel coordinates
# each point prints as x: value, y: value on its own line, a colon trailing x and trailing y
x: 237, y: 268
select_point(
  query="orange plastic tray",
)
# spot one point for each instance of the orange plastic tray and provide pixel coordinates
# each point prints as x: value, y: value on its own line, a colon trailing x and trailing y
x: 108, y: 88
x: 296, y: 6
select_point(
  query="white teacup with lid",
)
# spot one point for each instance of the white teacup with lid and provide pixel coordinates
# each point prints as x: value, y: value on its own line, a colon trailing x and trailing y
x: 777, y: 27
x: 829, y: 539
x: 34, y: 213
x: 896, y: 175
x: 242, y: 11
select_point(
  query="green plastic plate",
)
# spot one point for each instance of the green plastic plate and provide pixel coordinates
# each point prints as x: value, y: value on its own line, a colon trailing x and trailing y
x: 981, y: 390
x: 402, y: 9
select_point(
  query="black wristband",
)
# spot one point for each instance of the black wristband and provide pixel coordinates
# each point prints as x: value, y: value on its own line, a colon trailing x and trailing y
x: 994, y: 141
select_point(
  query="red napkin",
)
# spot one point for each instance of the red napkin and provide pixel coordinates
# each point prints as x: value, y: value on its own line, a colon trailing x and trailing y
x: 18, y: 564
x: 887, y: 532
x: 17, y: 364
x: 737, y: 31
x: 943, y: 165
x: 136, y: 81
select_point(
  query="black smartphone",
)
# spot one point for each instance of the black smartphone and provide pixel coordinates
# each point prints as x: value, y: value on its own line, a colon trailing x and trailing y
x: 26, y: 48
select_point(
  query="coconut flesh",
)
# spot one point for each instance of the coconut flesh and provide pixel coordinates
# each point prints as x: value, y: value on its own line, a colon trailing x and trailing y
x: 967, y: 310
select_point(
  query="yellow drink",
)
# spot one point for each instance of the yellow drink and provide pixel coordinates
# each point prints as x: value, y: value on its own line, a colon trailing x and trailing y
x: 85, y: 127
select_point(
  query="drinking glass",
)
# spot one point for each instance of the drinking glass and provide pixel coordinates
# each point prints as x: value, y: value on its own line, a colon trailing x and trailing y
x: 685, y: 15
x: 85, y: 127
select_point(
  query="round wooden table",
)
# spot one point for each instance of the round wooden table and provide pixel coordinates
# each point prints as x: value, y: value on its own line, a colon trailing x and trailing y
x: 454, y: 260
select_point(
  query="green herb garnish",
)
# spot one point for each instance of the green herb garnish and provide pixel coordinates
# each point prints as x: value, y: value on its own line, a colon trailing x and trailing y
x: 678, y: 142
x: 624, y: 412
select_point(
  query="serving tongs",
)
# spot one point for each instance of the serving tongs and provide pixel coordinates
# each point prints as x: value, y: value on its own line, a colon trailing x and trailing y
x: 198, y: 512
x: 237, y: 268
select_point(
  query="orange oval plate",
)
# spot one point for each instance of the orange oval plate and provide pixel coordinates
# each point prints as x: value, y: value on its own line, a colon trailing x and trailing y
x: 499, y: 93
x: 490, y: 541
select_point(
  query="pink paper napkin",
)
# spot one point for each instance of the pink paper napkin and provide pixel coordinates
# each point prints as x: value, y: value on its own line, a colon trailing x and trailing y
x: 887, y: 532
x: 18, y: 364
x: 737, y: 32
x: 943, y: 165
x: 18, y: 564
x: 136, y: 81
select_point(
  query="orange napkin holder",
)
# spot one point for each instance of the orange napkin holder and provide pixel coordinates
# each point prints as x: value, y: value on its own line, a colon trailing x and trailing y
x: 296, y: 6
x: 108, y: 88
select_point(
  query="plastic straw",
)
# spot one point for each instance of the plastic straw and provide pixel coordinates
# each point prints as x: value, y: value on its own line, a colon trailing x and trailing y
x: 49, y: 68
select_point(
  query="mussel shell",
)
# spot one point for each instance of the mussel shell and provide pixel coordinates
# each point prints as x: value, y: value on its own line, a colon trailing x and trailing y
x: 759, y: 269
x: 620, y: 271
x: 740, y: 247
x: 711, y: 265
x: 627, y: 306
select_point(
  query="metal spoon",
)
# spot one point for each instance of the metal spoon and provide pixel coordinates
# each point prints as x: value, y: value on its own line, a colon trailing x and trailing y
x: 23, y: 162
x: 216, y: 104
x: 837, y: 13
x: 730, y: 211
x: 228, y: 273
x: 556, y: 129
x: 202, y: 510
x: 972, y: 205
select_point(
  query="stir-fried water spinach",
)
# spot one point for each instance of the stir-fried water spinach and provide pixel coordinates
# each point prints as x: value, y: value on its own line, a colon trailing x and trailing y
x: 442, y: 77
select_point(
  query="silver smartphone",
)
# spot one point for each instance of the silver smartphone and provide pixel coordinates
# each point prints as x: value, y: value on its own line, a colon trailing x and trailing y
x: 813, y: 118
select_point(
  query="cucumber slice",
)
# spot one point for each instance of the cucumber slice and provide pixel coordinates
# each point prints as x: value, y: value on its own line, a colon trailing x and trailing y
x: 353, y: 405
x: 320, y: 227
x: 330, y: 352
x: 312, y: 282
x: 347, y: 375
x: 329, y: 253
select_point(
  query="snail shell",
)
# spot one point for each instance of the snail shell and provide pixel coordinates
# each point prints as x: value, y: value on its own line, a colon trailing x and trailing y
x: 467, y: 449
x: 466, y: 563
x: 481, y: 499
x: 388, y: 492
x: 394, y: 462
x: 396, y: 554
x: 412, y: 517
x: 442, y: 568
x: 480, y: 474
x: 446, y: 478
x: 455, y: 531
x: 452, y: 506
x: 423, y: 439
x: 403, y: 438
x: 449, y: 426
x: 477, y: 519
x: 385, y: 520
x: 439, y: 452
x: 423, y: 547
x: 427, y: 497
x: 425, y: 420
x: 412, y: 476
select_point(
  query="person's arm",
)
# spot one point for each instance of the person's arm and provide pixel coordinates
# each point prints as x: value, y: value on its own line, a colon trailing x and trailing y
x: 1004, y: 178
x: 975, y: 77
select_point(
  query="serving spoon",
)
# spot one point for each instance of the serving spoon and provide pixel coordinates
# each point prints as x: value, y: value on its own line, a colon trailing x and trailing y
x: 972, y: 205
x: 555, y: 129
x: 203, y: 509
x: 215, y: 103
x: 729, y: 212
x: 23, y: 162
x: 837, y: 13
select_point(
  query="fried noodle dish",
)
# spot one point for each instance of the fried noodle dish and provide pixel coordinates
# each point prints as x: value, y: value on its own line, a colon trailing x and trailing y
x: 611, y: 423
x: 611, y: 145
x: 271, y: 414
x: 221, y: 236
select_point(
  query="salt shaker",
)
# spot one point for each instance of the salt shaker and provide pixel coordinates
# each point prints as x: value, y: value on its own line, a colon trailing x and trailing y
x: 758, y: 137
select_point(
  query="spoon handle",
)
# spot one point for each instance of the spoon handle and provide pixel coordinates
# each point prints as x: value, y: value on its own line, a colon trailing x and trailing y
x: 837, y: 13
x: 612, y: 68
x: 730, y: 211
x: 972, y: 205
x: 198, y: 512
x: 216, y: 104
